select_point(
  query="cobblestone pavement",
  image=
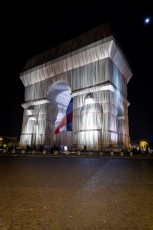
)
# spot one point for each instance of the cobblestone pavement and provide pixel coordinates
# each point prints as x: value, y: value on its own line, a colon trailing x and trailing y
x: 45, y: 193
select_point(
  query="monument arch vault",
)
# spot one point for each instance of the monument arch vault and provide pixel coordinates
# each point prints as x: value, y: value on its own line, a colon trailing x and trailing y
x: 92, y: 70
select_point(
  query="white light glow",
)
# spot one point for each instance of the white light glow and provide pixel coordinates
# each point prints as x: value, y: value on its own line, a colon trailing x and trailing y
x: 65, y: 148
x: 32, y: 119
x: 147, y: 20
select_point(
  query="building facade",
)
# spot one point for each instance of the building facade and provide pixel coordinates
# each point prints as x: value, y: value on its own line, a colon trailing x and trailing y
x: 92, y: 70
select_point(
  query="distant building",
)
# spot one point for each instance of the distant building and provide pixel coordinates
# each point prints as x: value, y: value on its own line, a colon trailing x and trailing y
x: 92, y: 70
x: 7, y: 139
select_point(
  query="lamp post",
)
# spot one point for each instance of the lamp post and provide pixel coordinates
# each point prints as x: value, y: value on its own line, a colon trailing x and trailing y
x: 143, y: 145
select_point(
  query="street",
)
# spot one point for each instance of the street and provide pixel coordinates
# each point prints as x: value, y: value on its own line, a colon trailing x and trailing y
x: 47, y: 193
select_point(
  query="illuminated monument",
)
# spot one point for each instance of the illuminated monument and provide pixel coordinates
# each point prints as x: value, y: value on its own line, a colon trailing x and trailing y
x: 90, y: 69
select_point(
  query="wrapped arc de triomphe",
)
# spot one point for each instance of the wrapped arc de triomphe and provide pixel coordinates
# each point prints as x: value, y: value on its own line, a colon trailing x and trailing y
x: 92, y: 70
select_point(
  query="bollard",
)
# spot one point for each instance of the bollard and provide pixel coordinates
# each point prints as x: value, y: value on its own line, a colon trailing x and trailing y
x: 55, y: 152
x: 4, y: 151
x: 33, y: 151
x: 112, y: 154
x: 131, y: 154
x: 78, y: 152
x: 67, y: 153
x: 121, y: 154
x: 44, y: 151
x: 23, y: 151
x: 13, y: 151
x: 101, y: 153
x: 90, y: 153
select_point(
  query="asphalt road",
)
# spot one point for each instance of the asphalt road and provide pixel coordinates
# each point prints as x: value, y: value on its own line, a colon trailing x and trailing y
x: 45, y: 193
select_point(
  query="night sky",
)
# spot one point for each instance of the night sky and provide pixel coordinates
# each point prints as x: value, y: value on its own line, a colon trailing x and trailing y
x: 28, y: 30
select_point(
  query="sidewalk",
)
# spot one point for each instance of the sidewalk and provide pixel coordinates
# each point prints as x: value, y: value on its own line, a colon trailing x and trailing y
x: 78, y: 154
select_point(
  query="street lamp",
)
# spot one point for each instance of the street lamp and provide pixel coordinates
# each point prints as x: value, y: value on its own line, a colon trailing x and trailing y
x: 143, y: 144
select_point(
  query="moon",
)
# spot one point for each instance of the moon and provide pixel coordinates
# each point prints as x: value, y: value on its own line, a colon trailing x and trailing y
x: 147, y: 20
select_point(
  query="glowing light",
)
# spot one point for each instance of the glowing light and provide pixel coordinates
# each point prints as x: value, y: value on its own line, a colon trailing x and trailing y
x: 147, y: 20
x: 89, y: 101
x: 32, y: 119
x: 143, y: 144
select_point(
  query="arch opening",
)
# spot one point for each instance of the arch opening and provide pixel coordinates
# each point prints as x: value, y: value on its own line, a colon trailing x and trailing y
x: 59, y: 96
